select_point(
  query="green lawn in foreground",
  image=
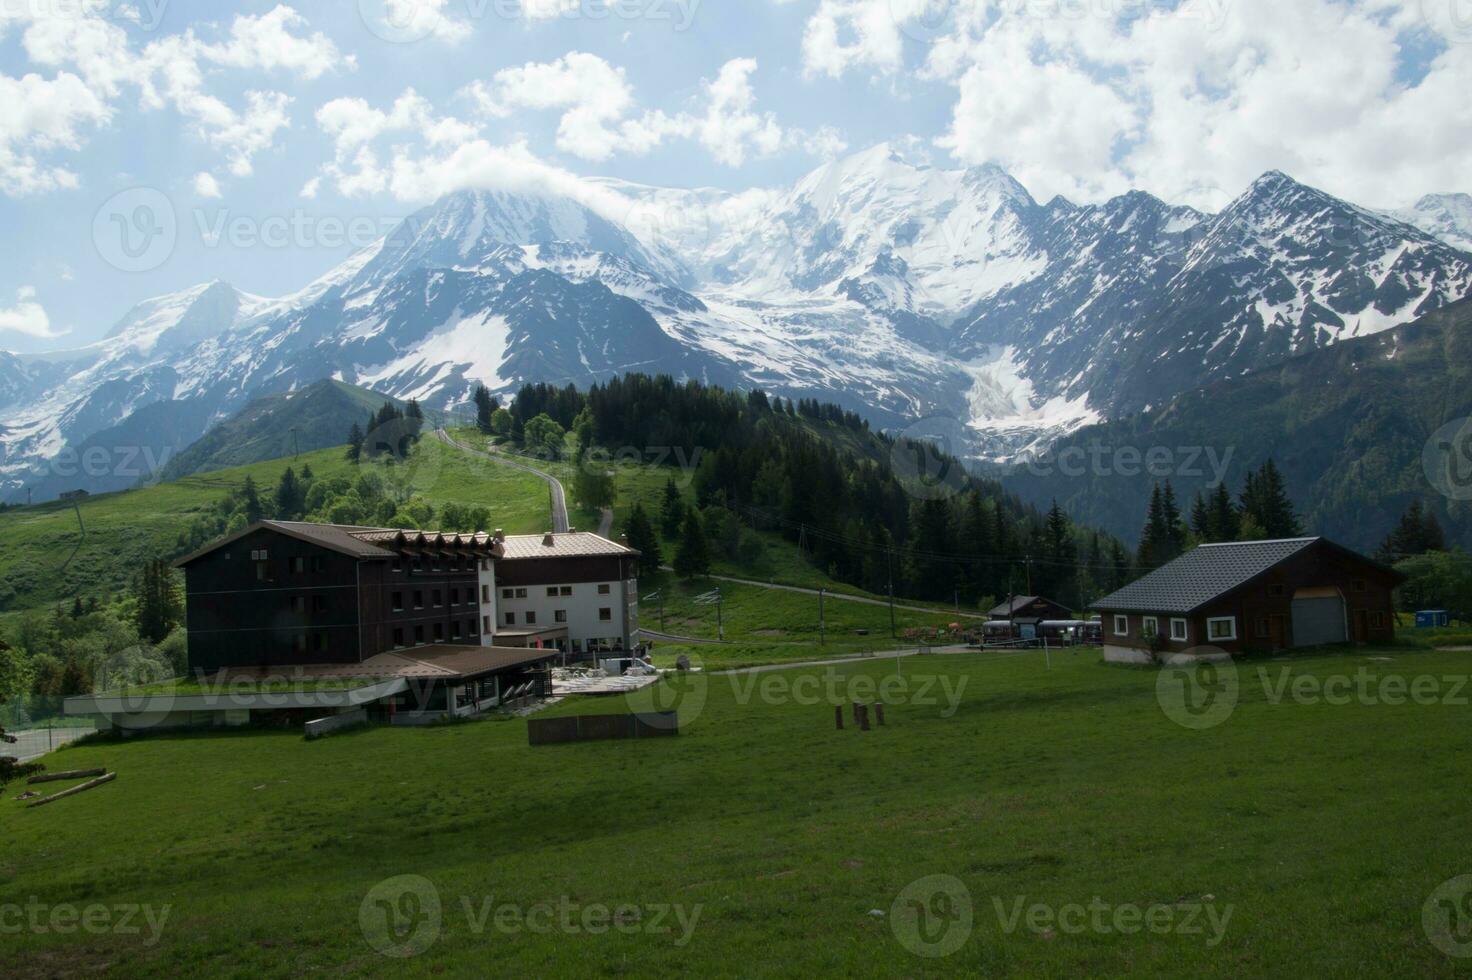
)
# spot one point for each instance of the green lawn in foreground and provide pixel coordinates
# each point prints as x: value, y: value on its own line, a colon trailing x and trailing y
x: 1322, y: 827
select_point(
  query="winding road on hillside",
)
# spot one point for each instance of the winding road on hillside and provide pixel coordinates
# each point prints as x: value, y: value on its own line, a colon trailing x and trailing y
x: 559, y: 496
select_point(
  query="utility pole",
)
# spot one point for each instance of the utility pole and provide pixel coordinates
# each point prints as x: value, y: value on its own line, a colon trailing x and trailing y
x: 890, y: 553
x: 1028, y: 560
x: 822, y: 628
x: 720, y: 625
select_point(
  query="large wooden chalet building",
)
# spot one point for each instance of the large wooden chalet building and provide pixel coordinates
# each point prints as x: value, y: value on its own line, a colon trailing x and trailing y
x: 1227, y: 599
x: 401, y: 626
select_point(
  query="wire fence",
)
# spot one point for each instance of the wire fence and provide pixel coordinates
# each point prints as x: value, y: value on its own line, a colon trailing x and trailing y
x: 36, y: 742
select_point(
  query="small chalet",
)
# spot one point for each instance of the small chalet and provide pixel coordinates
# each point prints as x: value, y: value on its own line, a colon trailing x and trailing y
x: 1031, y: 610
x: 1250, y: 596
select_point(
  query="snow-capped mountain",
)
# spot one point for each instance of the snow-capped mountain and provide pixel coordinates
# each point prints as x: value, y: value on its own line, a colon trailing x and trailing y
x: 1445, y: 216
x: 891, y: 287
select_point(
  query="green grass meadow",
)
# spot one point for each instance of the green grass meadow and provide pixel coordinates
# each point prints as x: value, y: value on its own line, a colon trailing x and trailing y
x: 762, y: 841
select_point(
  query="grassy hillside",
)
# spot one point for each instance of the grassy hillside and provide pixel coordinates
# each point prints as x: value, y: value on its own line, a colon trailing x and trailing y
x: 1313, y: 832
x: 1347, y: 426
x: 37, y: 565
x: 315, y: 417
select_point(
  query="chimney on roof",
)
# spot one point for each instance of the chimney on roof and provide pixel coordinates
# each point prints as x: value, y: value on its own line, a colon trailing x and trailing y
x: 500, y: 534
x: 547, y: 540
x: 571, y: 529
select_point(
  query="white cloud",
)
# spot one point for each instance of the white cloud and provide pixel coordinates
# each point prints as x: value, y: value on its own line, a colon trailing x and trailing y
x: 599, y: 111
x: 27, y: 316
x: 39, y: 115
x: 418, y: 19
x: 205, y: 185
x: 730, y: 126
x: 96, y: 62
x: 1191, y: 101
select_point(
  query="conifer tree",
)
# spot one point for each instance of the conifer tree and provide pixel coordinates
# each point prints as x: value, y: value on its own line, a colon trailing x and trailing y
x: 640, y: 533
x: 692, y: 557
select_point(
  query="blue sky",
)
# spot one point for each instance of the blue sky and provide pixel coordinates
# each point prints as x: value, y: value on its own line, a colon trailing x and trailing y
x: 257, y: 116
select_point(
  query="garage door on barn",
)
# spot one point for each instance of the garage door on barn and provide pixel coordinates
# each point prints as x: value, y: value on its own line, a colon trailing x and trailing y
x: 1318, y: 618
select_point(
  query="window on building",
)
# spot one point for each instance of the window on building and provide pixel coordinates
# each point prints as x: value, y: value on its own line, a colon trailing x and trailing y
x: 1221, y: 628
x: 300, y: 643
x: 319, y: 603
x: 260, y: 571
x: 551, y: 591
x: 521, y: 593
x: 418, y: 599
x: 605, y: 615
x: 1179, y: 630
x: 298, y: 565
x: 486, y: 623
x: 418, y: 564
x: 1357, y: 585
x: 438, y: 598
x: 508, y: 593
x: 531, y: 617
x: 603, y: 589
x: 1150, y: 626
x: 398, y: 638
x: 470, y: 627
x: 1275, y: 591
x: 454, y: 597
x: 511, y: 619
x: 398, y: 565
x: 454, y: 629
x: 1377, y: 620
x: 566, y: 590
x: 319, y: 642
x: 419, y: 636
x: 319, y: 564
x: 298, y: 603
x: 1121, y: 626
x: 398, y: 602
x: 485, y: 594
x: 1264, y: 628
x: 559, y: 615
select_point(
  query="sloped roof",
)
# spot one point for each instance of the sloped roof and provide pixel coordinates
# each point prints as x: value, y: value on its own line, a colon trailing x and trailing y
x: 569, y: 544
x: 1021, y: 602
x: 351, y: 540
x: 1201, y: 575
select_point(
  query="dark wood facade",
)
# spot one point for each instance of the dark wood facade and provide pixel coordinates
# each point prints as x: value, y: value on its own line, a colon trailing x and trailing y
x: 1259, y: 615
x: 274, y: 599
x: 584, y: 568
